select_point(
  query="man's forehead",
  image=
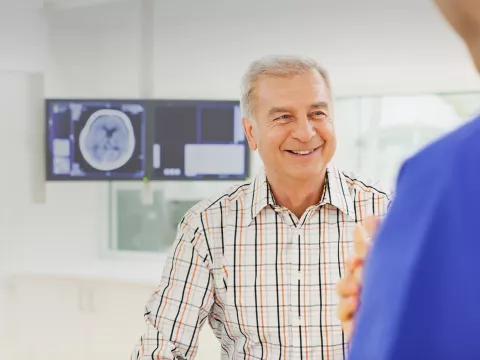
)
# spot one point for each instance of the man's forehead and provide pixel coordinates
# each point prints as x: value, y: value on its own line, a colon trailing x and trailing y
x: 293, y: 87
x: 311, y: 78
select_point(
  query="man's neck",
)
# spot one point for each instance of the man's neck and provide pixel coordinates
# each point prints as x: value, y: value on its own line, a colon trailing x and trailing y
x: 296, y: 195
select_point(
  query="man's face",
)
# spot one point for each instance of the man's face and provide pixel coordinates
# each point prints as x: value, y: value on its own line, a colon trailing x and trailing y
x: 293, y: 127
x: 464, y: 17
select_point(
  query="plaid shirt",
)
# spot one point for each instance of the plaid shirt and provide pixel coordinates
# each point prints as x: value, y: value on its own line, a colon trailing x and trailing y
x: 264, y: 279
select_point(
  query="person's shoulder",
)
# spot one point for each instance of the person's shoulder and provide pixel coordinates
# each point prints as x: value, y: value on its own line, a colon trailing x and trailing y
x: 367, y: 185
x: 446, y: 156
x: 445, y: 171
x: 451, y: 144
x: 368, y: 196
x: 465, y: 136
x: 221, y: 198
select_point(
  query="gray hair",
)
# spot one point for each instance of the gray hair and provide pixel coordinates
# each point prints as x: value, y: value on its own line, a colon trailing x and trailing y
x: 274, y: 66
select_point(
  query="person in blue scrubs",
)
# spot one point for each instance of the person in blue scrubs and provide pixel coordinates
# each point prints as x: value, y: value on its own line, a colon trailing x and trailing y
x: 420, y: 297
x: 421, y: 293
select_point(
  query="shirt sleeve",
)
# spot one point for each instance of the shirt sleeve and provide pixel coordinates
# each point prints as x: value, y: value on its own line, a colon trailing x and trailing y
x: 421, y: 294
x: 181, y: 304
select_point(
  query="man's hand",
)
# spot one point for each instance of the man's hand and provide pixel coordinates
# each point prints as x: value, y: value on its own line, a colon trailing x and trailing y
x: 348, y: 288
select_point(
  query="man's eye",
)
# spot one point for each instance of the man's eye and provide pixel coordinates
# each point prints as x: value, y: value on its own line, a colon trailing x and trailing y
x: 283, y: 117
x: 319, y: 114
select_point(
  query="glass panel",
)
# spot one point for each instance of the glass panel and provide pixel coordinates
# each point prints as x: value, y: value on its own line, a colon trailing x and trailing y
x: 145, y: 218
x: 139, y: 226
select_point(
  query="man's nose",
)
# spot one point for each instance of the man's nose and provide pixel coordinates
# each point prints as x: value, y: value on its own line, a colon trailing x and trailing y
x: 304, y: 130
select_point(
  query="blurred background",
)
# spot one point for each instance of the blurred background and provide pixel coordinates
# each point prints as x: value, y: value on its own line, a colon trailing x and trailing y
x: 79, y: 259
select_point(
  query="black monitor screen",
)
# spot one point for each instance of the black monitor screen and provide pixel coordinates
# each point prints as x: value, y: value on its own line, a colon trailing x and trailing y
x: 198, y: 140
x: 95, y: 140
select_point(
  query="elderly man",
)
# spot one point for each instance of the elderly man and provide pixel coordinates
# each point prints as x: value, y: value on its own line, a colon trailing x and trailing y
x: 261, y: 260
x: 421, y: 294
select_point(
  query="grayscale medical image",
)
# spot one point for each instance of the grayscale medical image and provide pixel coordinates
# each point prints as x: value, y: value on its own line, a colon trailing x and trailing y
x: 107, y: 141
x: 95, y: 139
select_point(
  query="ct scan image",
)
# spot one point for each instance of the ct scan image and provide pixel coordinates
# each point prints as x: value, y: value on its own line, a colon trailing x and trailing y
x: 107, y: 141
x: 96, y: 139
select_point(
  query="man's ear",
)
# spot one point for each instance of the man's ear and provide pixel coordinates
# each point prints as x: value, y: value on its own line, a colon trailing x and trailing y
x: 248, y: 127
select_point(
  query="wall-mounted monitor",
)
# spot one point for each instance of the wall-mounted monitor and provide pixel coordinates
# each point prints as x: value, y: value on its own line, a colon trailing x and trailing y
x: 96, y: 139
x: 198, y: 140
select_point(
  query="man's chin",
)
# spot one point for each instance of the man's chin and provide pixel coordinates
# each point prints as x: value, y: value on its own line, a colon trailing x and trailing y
x: 306, y: 173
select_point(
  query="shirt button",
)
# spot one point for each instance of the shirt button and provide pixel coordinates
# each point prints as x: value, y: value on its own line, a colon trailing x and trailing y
x: 293, y: 238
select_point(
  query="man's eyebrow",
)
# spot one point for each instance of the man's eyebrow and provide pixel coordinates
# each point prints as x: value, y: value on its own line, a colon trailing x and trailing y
x: 320, y: 105
x: 275, y: 110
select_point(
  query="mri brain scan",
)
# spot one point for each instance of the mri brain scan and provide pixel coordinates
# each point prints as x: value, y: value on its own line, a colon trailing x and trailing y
x: 107, y: 141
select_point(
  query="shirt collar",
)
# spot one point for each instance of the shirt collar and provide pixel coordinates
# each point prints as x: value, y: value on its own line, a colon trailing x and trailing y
x: 335, y: 192
x: 259, y: 194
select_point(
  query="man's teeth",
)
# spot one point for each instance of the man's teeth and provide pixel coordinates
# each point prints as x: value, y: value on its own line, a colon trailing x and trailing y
x: 306, y: 152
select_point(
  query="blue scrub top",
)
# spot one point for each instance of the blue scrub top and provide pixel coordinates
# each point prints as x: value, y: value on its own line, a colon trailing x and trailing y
x: 421, y: 292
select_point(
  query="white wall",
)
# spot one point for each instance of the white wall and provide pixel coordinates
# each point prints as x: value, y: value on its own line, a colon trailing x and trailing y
x: 95, y: 51
x: 201, y: 50
x: 22, y: 52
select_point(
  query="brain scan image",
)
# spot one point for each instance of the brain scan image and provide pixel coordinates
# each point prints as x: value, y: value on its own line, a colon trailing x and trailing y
x: 107, y: 141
